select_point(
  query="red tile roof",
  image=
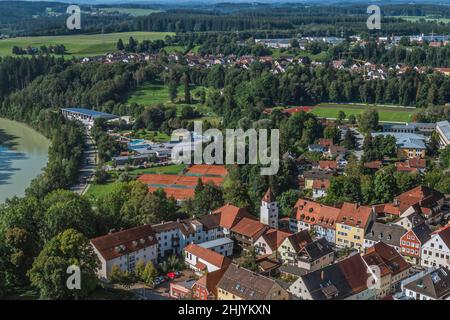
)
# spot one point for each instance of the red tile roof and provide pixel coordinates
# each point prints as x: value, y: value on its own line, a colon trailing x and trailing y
x: 316, y: 213
x: 210, y: 280
x: 387, y: 208
x: 355, y: 272
x: 230, y: 215
x: 326, y: 143
x: 373, y: 165
x: 123, y: 242
x: 423, y: 196
x: 387, y: 258
x: 208, y: 255
x: 353, y: 215
x: 300, y: 239
x: 268, y: 196
x: 321, y: 184
x: 327, y: 164
x: 274, y: 237
x: 250, y: 228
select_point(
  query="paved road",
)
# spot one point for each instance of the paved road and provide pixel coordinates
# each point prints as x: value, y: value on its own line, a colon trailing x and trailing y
x: 359, y: 144
x: 89, y: 164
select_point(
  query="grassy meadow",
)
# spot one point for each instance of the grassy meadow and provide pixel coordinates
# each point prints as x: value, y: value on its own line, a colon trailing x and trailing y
x: 387, y: 114
x: 82, y: 45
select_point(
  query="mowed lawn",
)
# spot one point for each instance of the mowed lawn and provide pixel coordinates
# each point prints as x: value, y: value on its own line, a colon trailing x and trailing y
x: 154, y: 93
x: 80, y: 45
x: 394, y: 114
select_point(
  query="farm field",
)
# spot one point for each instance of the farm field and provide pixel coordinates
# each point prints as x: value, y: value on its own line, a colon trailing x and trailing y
x: 387, y: 114
x: 135, y: 12
x: 80, y: 45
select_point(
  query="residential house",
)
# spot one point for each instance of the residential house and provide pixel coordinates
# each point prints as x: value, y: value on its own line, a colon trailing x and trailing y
x: 344, y: 280
x: 310, y: 215
x: 173, y: 236
x: 238, y: 283
x: 327, y: 165
x: 416, y: 165
x: 436, y: 251
x: 125, y: 249
x: 247, y: 231
x: 412, y: 241
x: 315, y: 255
x: 433, y: 285
x: 205, y: 288
x: 427, y: 200
x: 307, y: 178
x: 320, y: 188
x: 181, y: 289
x: 270, y: 241
x: 292, y: 245
x: 352, y: 224
x: 391, y: 265
x: 223, y: 246
x: 229, y: 215
x: 373, y: 165
x: 389, y: 234
x: 203, y: 260
x: 409, y: 219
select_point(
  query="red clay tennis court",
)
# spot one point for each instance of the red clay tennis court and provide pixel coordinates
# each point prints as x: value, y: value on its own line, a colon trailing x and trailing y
x: 207, y: 170
x: 172, y: 180
x: 182, y: 187
x: 177, y: 193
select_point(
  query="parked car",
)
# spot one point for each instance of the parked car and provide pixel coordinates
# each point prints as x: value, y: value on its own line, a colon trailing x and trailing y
x: 171, y: 275
x: 178, y: 274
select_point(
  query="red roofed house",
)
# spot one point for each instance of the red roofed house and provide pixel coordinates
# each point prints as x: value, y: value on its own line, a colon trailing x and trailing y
x: 320, y: 187
x: 392, y: 266
x: 387, y: 210
x: 352, y: 224
x: 412, y: 241
x: 328, y: 165
x: 269, y: 242
x: 436, y: 251
x: 310, y: 215
x: 374, y: 165
x: 203, y: 260
x: 428, y: 200
x: 125, y: 249
x: 326, y: 143
x: 206, y: 287
x: 230, y: 215
x: 247, y: 231
x: 411, y: 165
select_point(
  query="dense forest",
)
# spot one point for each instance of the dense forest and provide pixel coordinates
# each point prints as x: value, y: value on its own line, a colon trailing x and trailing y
x: 43, y: 18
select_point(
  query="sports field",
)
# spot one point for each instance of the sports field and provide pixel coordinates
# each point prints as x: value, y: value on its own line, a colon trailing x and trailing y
x: 80, y: 45
x: 387, y: 114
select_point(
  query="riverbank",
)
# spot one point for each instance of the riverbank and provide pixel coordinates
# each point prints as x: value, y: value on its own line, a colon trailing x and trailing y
x: 23, y: 156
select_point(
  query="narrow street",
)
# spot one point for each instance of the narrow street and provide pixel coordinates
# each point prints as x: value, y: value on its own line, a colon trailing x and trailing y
x: 88, y: 166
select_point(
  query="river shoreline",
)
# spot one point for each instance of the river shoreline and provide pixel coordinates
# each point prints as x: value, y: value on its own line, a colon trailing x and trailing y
x: 23, y: 156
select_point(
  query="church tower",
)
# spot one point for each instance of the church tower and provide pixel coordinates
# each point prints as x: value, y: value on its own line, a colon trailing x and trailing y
x: 269, y: 210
